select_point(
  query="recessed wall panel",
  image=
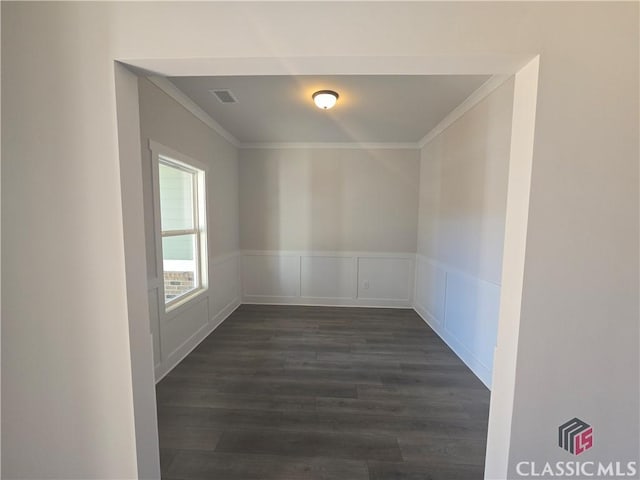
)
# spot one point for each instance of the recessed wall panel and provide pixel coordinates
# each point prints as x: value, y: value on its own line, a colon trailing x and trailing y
x: 430, y: 291
x: 385, y: 278
x: 327, y: 277
x: 472, y: 308
x: 271, y: 275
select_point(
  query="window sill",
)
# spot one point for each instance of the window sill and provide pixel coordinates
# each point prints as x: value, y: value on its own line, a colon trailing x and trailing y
x: 175, y: 307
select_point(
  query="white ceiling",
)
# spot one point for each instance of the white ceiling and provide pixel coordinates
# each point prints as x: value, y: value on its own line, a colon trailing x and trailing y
x: 384, y: 108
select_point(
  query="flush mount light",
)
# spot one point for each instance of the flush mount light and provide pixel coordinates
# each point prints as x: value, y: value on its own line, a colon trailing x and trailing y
x: 325, y: 99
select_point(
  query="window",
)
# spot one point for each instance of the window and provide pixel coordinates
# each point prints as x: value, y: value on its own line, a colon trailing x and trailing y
x: 182, y: 226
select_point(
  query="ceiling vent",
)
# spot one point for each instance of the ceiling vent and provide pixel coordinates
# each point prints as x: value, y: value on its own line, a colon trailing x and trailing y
x: 224, y: 96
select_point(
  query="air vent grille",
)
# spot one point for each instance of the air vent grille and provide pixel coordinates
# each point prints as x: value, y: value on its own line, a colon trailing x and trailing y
x: 224, y: 95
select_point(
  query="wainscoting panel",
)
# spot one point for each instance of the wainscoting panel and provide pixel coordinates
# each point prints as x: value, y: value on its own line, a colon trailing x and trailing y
x: 327, y: 277
x: 224, y: 283
x: 472, y: 309
x: 431, y: 280
x: 385, y: 278
x: 154, y: 318
x: 462, y: 309
x: 178, y: 329
x: 271, y: 275
x: 177, y: 332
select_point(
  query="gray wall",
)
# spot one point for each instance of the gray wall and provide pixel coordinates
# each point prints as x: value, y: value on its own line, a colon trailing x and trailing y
x: 65, y: 351
x: 329, y: 199
x: 463, y: 201
x: 67, y: 401
x: 463, y: 188
x: 165, y: 121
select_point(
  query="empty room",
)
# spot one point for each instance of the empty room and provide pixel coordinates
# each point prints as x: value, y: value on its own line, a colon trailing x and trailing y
x: 382, y: 212
x: 320, y: 240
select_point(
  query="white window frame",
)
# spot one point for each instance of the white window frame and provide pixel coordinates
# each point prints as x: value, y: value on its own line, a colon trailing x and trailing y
x: 161, y: 154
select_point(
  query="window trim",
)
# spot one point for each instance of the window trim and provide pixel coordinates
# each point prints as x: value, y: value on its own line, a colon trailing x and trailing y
x: 161, y: 154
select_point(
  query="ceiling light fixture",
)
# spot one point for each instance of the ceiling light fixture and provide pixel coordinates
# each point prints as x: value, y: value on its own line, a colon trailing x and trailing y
x: 325, y: 99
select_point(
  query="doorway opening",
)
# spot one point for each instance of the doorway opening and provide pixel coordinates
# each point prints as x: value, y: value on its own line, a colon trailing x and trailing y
x: 519, y: 153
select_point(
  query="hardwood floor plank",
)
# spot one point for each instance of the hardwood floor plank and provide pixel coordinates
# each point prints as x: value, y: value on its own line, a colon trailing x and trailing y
x: 428, y: 448
x: 188, y: 437
x: 453, y: 424
x: 333, y: 375
x: 203, y: 397
x: 228, y: 466
x: 311, y: 444
x: 166, y: 459
x: 217, y: 417
x: 400, y: 407
x: 322, y: 393
x: 422, y: 471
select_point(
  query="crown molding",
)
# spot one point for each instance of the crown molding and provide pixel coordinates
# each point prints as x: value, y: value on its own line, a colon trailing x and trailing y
x: 345, y: 145
x: 471, y: 101
x: 170, y: 89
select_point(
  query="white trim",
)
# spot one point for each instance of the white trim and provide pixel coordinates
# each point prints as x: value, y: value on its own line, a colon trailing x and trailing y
x: 461, y: 64
x: 174, y: 92
x: 194, y: 340
x: 329, y: 253
x: 370, y: 1
x: 325, y: 302
x: 167, y: 362
x: 224, y: 313
x: 525, y: 96
x: 170, y: 309
x: 158, y: 149
x: 157, y: 362
x: 337, y: 145
x: 179, y: 305
x: 354, y: 299
x: 440, y: 326
x: 471, y: 101
x: 153, y: 283
x: 450, y: 268
x: 477, y: 367
x: 157, y: 227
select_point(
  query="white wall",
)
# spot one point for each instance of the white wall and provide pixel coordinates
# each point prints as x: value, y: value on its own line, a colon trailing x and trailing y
x: 328, y: 278
x: 67, y: 399
x: 0, y: 248
x: 463, y: 200
x: 140, y: 337
x: 328, y: 225
x: 329, y: 199
x: 165, y: 121
x: 65, y: 352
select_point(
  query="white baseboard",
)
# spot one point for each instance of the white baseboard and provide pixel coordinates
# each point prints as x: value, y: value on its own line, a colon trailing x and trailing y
x: 365, y: 279
x: 449, y: 301
x: 326, y: 302
x: 192, y: 342
x: 480, y: 370
x: 189, y: 345
x: 223, y: 314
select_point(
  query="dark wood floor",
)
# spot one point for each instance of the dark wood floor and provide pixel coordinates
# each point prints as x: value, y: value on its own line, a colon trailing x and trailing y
x: 317, y: 393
